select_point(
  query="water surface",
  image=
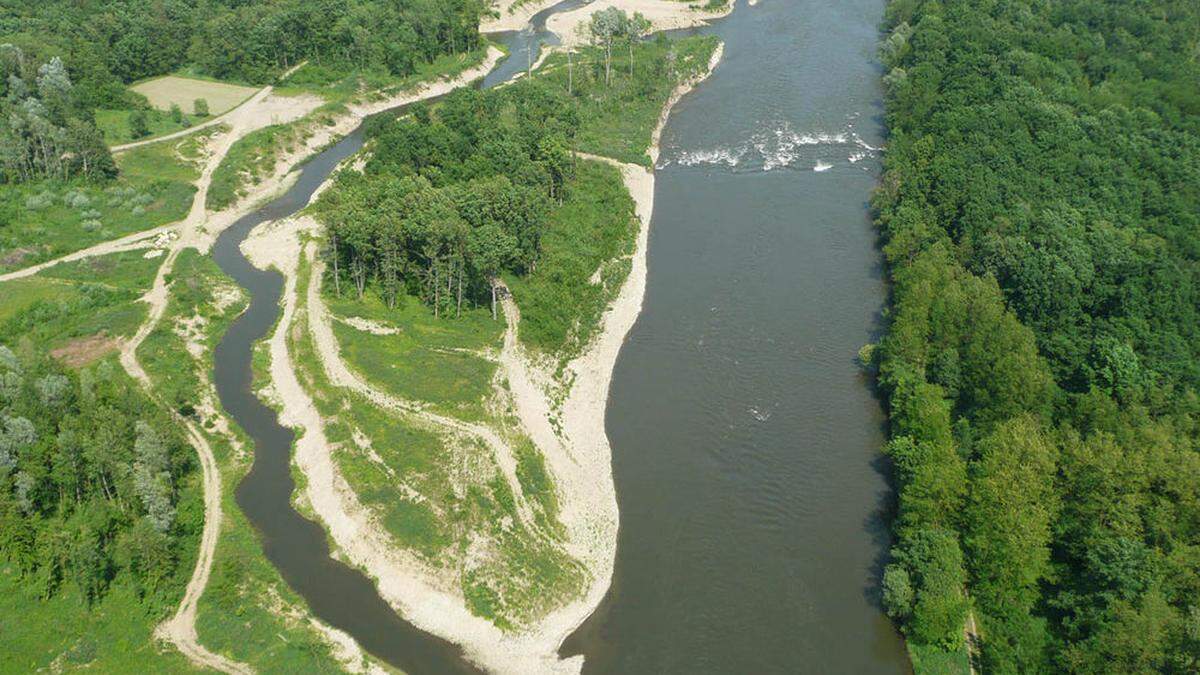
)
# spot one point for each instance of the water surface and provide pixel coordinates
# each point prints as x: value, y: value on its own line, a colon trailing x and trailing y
x: 745, y: 441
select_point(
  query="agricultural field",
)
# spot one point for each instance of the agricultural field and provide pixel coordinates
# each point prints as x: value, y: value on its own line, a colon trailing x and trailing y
x: 183, y: 92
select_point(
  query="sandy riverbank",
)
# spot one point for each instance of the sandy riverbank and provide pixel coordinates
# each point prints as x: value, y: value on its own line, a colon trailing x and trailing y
x: 663, y: 15
x: 513, y: 18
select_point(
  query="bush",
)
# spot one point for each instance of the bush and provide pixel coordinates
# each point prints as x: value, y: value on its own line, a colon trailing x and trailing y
x: 39, y: 201
x: 200, y: 107
x: 176, y: 113
x: 91, y: 226
x: 139, y: 124
x: 77, y: 199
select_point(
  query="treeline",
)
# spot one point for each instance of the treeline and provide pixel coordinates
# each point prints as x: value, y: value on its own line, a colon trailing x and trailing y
x: 452, y: 196
x: 90, y: 479
x: 1041, y: 214
x: 45, y: 129
x: 111, y: 42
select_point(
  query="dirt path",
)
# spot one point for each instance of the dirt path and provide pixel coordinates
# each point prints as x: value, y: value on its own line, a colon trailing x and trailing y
x: 127, y: 243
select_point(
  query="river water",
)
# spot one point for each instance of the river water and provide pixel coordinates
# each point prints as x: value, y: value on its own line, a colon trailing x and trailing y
x: 745, y: 442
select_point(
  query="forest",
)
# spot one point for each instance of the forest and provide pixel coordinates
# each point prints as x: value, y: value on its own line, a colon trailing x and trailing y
x: 1040, y: 213
x: 63, y: 60
x: 96, y: 483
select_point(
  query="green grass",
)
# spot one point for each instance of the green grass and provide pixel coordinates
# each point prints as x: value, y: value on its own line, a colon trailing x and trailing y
x: 430, y: 360
x: 114, y: 124
x: 80, y: 299
x: 177, y: 160
x: 619, y: 120
x: 595, y: 226
x: 114, y: 636
x: 933, y: 660
x: 48, y: 219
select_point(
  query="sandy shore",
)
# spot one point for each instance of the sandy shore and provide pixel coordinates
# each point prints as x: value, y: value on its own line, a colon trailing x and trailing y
x: 663, y: 15
x: 513, y: 18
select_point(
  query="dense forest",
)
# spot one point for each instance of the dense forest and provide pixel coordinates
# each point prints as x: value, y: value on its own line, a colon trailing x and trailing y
x: 91, y: 478
x: 451, y: 197
x: 1040, y: 210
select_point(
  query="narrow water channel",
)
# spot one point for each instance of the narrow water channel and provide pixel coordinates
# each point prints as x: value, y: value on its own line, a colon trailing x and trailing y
x: 337, y: 594
x: 745, y: 441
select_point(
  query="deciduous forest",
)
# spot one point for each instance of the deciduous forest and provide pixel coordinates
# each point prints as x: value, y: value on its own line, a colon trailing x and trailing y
x: 1040, y: 212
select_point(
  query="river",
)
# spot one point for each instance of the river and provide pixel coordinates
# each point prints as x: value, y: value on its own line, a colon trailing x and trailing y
x: 745, y: 441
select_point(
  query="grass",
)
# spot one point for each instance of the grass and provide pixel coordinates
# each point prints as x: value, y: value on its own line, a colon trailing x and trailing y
x: 436, y: 361
x: 48, y: 219
x: 253, y: 157
x: 114, y: 636
x: 933, y: 660
x: 595, y: 228
x: 96, y: 296
x: 178, y: 160
x: 114, y: 124
x: 183, y: 91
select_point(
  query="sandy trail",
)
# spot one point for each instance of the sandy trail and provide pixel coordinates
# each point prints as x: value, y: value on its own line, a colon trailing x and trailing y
x: 663, y: 15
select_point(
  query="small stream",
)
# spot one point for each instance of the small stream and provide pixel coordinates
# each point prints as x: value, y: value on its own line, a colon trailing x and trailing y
x: 337, y: 594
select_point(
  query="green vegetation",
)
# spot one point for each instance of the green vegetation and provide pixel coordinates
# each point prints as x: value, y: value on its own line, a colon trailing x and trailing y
x: 441, y: 494
x: 1041, y: 219
x: 115, y: 125
x: 98, y: 492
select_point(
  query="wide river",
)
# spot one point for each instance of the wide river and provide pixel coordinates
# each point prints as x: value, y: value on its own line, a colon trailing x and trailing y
x: 745, y: 442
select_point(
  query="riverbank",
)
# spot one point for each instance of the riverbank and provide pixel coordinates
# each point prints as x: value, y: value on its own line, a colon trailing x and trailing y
x: 662, y: 14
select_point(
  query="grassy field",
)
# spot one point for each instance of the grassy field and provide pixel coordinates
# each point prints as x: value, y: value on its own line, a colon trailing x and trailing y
x: 438, y: 362
x: 932, y: 660
x: 80, y: 308
x: 114, y: 124
x: 48, y: 219
x: 183, y: 91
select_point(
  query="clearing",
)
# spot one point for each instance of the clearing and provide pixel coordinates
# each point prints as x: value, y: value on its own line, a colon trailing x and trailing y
x: 183, y: 91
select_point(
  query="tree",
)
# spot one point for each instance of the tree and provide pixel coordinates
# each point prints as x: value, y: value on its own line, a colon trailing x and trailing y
x: 176, y: 113
x: 139, y: 126
x: 200, y: 107
x: 605, y: 27
x: 637, y: 28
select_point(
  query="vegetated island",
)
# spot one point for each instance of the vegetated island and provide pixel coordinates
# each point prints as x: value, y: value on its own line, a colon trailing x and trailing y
x: 454, y: 305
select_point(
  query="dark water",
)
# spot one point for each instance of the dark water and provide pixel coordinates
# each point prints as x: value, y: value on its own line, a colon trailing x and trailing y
x: 745, y: 442
x: 337, y: 594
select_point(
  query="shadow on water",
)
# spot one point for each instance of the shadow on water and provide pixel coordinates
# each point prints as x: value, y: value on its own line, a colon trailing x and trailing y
x: 337, y: 594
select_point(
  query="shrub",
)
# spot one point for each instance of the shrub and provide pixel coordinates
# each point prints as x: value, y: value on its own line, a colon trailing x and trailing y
x: 200, y: 107
x: 39, y: 201
x: 77, y: 199
x: 139, y: 124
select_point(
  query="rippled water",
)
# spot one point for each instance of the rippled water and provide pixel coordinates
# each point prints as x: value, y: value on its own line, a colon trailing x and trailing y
x: 745, y: 440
